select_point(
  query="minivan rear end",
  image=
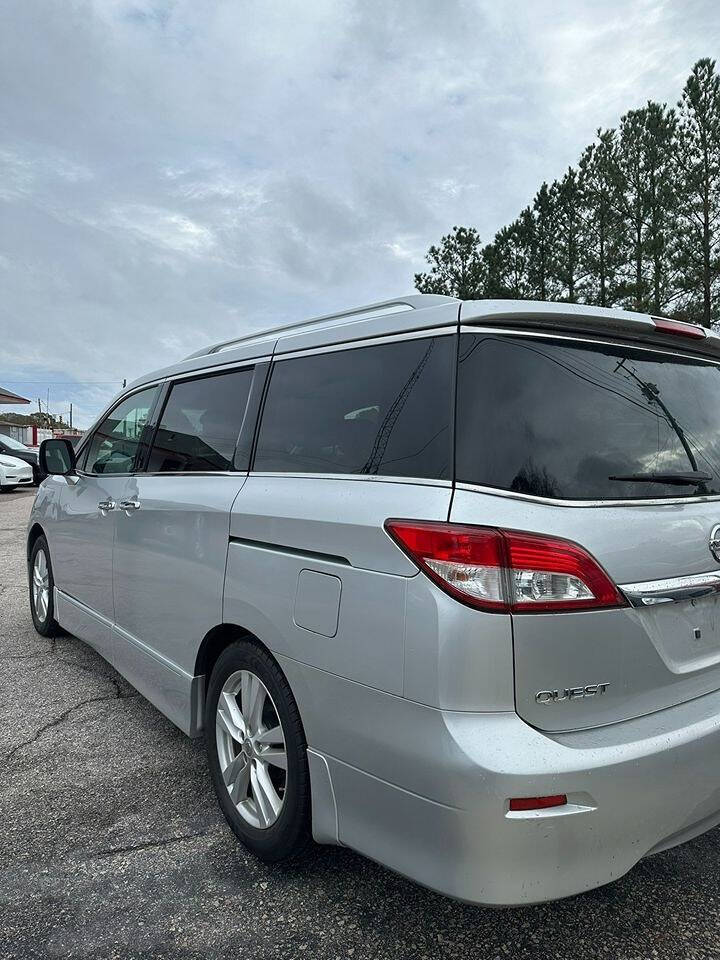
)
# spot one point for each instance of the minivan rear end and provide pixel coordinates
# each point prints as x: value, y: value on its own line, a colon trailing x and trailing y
x: 587, y: 497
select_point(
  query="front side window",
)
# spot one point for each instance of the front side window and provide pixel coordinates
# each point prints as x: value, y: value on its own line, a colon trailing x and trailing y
x: 382, y: 409
x: 586, y: 421
x: 200, y: 425
x: 114, y: 445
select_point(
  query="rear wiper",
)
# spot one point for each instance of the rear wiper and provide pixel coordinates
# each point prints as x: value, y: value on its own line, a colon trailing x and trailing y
x: 694, y: 477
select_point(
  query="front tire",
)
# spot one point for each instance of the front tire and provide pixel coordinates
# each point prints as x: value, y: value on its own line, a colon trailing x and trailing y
x: 42, y: 582
x: 257, y: 752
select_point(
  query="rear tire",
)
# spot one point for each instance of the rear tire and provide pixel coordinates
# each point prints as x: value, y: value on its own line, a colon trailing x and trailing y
x: 42, y: 582
x: 257, y: 753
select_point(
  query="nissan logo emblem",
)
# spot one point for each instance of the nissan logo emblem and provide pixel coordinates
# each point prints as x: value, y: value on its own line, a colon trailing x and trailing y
x: 714, y: 543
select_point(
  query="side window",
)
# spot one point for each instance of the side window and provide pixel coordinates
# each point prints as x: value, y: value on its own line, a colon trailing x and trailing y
x: 114, y: 444
x: 200, y: 424
x: 370, y: 410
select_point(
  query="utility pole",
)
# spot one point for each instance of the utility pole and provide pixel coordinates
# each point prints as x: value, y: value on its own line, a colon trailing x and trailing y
x: 71, y: 416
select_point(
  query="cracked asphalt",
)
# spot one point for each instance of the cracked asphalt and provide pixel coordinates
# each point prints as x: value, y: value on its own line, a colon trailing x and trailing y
x: 112, y: 845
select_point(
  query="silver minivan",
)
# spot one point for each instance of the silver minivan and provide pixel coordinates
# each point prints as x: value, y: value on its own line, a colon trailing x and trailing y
x: 437, y: 580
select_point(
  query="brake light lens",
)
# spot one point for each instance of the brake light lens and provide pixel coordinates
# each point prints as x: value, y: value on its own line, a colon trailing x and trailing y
x: 679, y: 328
x: 506, y: 571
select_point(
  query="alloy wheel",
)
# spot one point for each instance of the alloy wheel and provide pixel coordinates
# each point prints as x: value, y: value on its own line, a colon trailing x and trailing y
x: 41, y: 585
x: 251, y: 749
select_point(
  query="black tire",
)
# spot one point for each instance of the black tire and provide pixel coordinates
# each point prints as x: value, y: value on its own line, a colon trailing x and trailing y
x: 7, y: 489
x: 46, y: 626
x: 289, y: 834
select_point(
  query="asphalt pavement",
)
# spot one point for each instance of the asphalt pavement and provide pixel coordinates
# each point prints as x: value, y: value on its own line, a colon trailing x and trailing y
x: 111, y: 844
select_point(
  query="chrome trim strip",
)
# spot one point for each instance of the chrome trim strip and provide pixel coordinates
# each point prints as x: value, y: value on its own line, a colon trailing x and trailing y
x: 673, y: 590
x: 420, y: 333
x: 556, y: 502
x: 372, y: 477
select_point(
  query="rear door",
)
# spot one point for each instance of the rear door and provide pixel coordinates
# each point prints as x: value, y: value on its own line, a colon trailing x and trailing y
x: 349, y: 437
x: 562, y: 436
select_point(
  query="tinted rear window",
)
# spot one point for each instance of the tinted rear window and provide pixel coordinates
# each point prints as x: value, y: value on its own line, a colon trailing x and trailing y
x: 558, y: 419
x: 382, y: 409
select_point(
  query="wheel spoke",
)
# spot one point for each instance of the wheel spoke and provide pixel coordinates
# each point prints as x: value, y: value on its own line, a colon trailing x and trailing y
x: 229, y: 716
x: 274, y: 735
x: 253, y: 700
x: 233, y: 769
x: 267, y: 801
x: 278, y: 758
x: 239, y: 789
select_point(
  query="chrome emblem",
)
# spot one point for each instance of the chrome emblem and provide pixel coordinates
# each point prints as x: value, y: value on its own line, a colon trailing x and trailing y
x: 571, y: 693
x: 714, y: 543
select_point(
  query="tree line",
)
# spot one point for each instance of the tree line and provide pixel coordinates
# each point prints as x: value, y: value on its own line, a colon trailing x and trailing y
x: 636, y: 224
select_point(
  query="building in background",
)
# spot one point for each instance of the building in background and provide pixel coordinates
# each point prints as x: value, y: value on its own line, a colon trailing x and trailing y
x: 7, y: 396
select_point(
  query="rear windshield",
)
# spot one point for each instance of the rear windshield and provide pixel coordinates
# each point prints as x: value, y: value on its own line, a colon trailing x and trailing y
x: 556, y: 418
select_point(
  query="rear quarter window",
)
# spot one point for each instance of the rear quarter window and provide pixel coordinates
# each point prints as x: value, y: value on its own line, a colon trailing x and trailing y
x: 561, y: 419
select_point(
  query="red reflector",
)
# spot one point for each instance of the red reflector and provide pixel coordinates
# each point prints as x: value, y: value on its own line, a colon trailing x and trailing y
x: 538, y: 803
x: 679, y: 328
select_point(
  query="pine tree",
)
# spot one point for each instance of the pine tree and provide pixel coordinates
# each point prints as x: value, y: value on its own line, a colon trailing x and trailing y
x: 631, y: 185
x: 600, y: 251
x: 507, y: 260
x: 538, y: 227
x: 659, y: 145
x: 568, y: 236
x: 697, y: 164
x: 457, y: 267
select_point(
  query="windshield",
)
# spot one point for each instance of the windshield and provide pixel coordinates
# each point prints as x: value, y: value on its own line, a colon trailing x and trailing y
x: 563, y: 419
x: 12, y: 442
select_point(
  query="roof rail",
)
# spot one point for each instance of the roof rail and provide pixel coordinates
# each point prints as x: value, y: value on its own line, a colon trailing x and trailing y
x: 416, y: 301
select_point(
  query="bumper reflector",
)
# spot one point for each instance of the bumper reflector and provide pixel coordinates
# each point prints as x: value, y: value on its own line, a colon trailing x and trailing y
x: 538, y: 803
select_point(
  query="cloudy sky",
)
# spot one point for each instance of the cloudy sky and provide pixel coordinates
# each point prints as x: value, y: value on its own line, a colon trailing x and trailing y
x: 174, y: 172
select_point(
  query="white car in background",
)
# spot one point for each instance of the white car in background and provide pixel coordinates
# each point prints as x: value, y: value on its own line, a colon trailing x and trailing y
x: 14, y: 473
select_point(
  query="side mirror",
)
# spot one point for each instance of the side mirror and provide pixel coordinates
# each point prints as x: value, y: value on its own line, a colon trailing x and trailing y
x: 57, y: 457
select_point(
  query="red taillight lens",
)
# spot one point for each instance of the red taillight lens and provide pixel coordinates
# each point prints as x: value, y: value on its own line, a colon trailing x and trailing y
x: 679, y: 328
x: 538, y: 803
x: 506, y: 570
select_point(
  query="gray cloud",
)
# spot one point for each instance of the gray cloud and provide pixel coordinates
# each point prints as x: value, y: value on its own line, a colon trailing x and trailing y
x: 176, y: 172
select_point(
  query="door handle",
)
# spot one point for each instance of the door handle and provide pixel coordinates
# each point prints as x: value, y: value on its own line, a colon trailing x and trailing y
x: 129, y: 505
x: 105, y: 505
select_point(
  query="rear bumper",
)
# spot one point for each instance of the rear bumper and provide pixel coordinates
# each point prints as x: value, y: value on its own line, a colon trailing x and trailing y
x: 633, y: 788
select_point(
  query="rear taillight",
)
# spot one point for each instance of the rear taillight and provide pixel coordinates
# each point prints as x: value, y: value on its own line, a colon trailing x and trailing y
x: 506, y: 571
x: 679, y: 328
